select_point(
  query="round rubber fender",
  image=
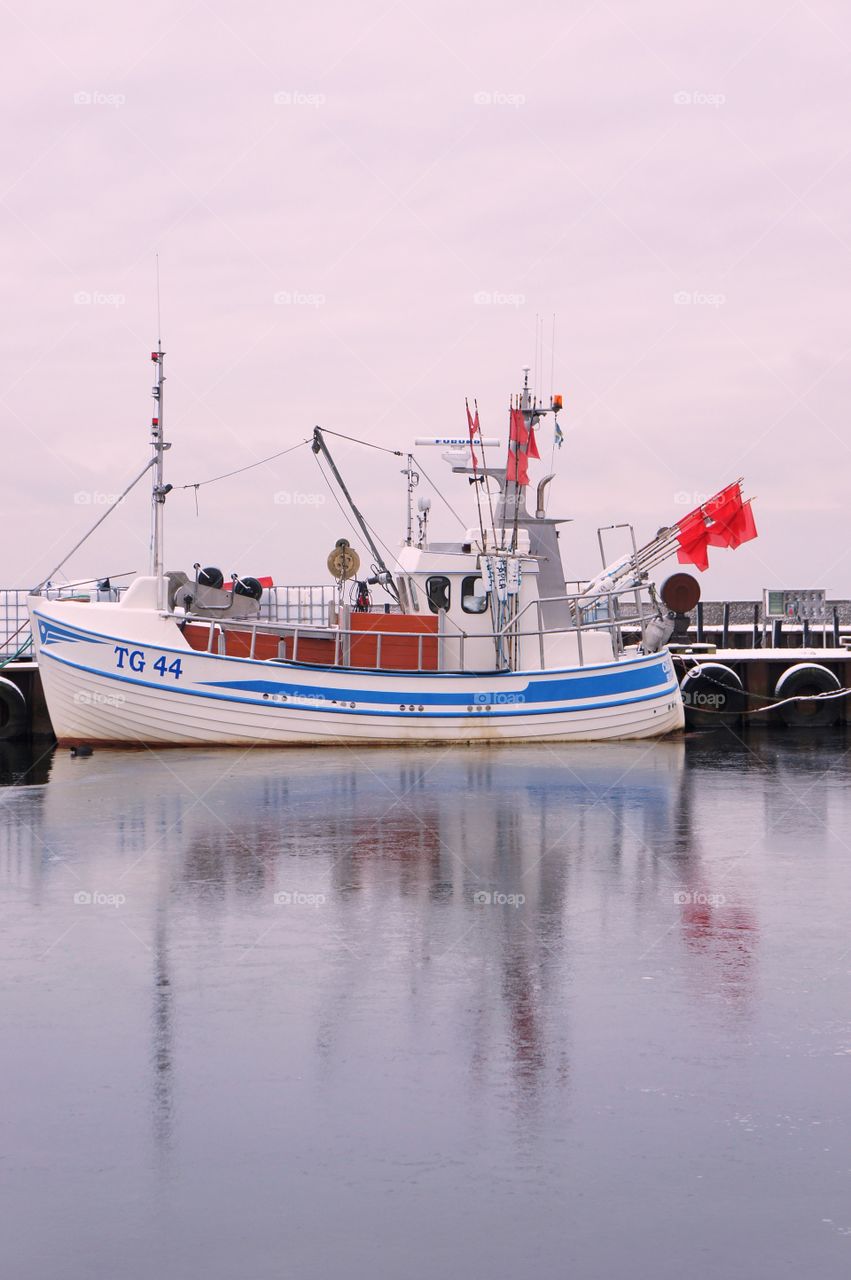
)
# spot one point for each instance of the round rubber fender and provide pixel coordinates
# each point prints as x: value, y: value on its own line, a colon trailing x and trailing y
x: 806, y: 679
x: 13, y: 711
x: 712, y: 695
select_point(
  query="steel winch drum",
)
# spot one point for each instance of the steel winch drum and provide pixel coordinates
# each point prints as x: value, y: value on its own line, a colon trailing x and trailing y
x: 680, y: 592
x: 249, y: 587
x: 211, y: 577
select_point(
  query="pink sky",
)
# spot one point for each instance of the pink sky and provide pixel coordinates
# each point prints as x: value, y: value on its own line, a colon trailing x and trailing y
x: 383, y: 164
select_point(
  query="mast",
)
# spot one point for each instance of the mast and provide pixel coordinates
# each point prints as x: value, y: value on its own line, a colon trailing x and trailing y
x: 413, y: 480
x: 159, y: 490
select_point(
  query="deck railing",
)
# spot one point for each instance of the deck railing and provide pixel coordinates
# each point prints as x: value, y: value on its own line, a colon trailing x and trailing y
x: 14, y: 623
x: 605, y: 610
x: 302, y: 612
x: 302, y: 604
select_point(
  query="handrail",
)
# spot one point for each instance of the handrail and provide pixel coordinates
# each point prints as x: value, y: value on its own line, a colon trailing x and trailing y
x: 342, y: 635
x: 596, y: 624
x: 572, y: 598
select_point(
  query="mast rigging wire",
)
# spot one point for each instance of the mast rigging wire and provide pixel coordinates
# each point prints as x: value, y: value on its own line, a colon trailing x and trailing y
x: 367, y: 444
x: 239, y: 470
x: 357, y: 533
x: 445, y: 501
x: 96, y: 525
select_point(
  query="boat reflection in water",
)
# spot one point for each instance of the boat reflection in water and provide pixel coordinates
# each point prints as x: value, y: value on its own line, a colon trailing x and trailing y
x: 368, y: 877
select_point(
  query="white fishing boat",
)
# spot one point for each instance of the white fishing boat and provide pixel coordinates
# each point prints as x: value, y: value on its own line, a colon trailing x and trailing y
x: 475, y: 640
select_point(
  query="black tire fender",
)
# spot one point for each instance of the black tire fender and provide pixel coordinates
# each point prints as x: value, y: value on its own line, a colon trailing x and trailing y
x: 805, y: 679
x: 13, y: 711
x: 712, y: 695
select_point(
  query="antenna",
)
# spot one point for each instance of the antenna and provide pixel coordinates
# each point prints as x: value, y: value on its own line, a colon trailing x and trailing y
x: 413, y: 479
x: 159, y: 490
x: 159, y: 326
x: 543, y: 375
x: 553, y: 360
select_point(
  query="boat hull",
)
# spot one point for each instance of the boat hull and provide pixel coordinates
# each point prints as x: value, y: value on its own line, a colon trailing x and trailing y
x: 107, y: 687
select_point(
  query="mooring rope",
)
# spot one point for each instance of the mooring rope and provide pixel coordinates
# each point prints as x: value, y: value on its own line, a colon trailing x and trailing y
x: 772, y: 703
x: 14, y: 656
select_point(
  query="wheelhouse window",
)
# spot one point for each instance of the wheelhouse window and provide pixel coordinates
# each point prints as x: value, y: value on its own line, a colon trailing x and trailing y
x: 439, y: 593
x: 474, y: 598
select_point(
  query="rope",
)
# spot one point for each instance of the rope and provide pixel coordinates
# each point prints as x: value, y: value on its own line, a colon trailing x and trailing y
x: 357, y: 533
x: 367, y: 444
x: 97, y: 523
x: 14, y: 657
x: 239, y: 470
x: 445, y: 501
x: 766, y: 698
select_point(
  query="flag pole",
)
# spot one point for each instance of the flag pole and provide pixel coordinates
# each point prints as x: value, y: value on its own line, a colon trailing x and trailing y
x: 472, y: 427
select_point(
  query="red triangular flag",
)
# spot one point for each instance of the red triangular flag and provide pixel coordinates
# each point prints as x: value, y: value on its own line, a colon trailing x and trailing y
x: 693, y: 538
x: 473, y: 427
x: 744, y: 528
x: 723, y: 510
x: 517, y: 466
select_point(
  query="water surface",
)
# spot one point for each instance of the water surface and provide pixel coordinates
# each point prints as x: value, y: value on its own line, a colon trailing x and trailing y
x: 428, y: 1013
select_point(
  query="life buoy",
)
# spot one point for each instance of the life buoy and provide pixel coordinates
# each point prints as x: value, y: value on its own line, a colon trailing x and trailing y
x: 13, y: 711
x: 804, y: 680
x: 712, y: 695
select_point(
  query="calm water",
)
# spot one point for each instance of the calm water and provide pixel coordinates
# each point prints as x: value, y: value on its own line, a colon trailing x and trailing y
x: 476, y: 1013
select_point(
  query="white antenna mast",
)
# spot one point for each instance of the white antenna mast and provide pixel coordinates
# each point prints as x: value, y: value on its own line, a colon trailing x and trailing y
x: 413, y: 480
x: 160, y: 490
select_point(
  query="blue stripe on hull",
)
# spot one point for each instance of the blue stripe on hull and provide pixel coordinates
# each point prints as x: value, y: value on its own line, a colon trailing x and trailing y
x: 571, y: 688
x: 309, y: 693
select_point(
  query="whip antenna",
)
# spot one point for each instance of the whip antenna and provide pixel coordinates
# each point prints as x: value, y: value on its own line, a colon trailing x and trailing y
x: 159, y: 325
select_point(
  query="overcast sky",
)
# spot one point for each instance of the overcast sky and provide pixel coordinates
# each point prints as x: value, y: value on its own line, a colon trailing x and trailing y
x: 360, y: 208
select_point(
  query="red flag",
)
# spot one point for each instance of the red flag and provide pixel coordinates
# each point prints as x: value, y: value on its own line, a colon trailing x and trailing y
x: 532, y: 451
x: 745, y: 526
x: 473, y: 426
x: 724, y: 510
x: 693, y: 538
x: 517, y: 467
